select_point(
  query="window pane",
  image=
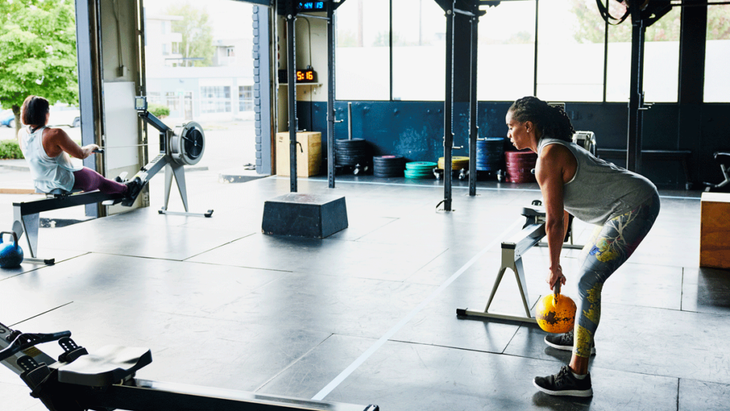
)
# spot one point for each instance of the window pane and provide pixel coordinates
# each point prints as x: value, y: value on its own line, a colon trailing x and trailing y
x: 570, y: 51
x: 215, y: 99
x: 362, y: 54
x: 618, y: 72
x: 419, y: 50
x: 172, y: 100
x: 245, y: 98
x: 717, y: 55
x: 661, y: 61
x: 506, y: 61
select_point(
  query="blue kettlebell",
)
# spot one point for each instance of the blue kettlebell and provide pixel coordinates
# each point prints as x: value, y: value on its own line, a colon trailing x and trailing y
x: 11, y: 255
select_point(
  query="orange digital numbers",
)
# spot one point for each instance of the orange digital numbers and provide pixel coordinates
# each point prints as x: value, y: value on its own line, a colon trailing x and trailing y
x: 306, y: 76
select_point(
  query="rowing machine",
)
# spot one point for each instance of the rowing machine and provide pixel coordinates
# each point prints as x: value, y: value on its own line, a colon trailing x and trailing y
x: 105, y: 380
x: 176, y: 151
x: 512, y: 250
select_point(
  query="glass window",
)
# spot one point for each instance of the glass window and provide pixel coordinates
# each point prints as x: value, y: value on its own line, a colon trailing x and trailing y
x: 570, y: 51
x: 215, y: 99
x: 419, y: 50
x: 172, y: 100
x: 661, y: 58
x: 245, y: 98
x: 506, y: 61
x: 363, y: 53
x: 618, y: 71
x: 717, y: 55
x: 153, y: 97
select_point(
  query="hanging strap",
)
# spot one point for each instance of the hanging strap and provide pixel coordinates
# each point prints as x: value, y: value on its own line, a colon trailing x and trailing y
x: 607, y: 15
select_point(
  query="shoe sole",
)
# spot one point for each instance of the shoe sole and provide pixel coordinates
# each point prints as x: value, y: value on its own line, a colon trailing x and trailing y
x: 566, y: 347
x: 566, y: 393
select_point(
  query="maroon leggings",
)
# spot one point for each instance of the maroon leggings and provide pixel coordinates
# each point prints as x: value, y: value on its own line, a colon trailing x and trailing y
x: 89, y: 180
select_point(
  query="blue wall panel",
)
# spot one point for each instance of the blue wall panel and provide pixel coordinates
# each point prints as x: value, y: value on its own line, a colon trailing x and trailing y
x: 415, y: 131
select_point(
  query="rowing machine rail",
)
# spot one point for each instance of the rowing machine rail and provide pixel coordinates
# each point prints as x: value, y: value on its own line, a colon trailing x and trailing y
x: 512, y: 251
x: 105, y: 380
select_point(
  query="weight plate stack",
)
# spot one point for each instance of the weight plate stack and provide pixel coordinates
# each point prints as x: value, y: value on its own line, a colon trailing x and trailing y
x: 457, y: 163
x: 388, y: 166
x: 490, y: 152
x: 351, y: 152
x: 419, y: 169
x: 520, y: 165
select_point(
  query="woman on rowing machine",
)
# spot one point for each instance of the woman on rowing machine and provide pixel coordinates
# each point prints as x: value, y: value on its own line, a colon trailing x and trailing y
x: 47, y: 152
x: 623, y: 205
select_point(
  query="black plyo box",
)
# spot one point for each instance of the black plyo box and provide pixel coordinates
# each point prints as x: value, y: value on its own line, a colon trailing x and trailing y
x: 305, y: 215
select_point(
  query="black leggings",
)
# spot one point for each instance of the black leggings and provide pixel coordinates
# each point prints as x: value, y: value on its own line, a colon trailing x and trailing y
x: 87, y: 179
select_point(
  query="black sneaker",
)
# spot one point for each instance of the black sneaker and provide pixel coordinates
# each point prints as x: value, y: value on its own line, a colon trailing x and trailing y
x: 565, y: 384
x: 564, y: 342
x: 134, y: 186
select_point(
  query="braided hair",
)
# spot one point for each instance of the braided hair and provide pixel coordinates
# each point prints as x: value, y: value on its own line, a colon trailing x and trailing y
x: 550, y: 121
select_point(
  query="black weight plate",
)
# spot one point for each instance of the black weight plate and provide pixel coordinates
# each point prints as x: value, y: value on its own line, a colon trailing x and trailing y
x: 388, y: 169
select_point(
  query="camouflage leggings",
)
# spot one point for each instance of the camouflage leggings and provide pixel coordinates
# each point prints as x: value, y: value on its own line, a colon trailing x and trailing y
x: 611, y: 245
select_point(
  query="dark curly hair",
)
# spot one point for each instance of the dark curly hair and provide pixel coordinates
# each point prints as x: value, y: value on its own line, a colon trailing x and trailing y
x: 550, y: 121
x: 34, y: 110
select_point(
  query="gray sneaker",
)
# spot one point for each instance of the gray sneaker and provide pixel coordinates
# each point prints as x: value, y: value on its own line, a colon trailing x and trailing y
x: 564, y: 342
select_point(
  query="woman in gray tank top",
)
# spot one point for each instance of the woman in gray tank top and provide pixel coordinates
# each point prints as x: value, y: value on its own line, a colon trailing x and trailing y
x: 47, y: 152
x: 623, y: 205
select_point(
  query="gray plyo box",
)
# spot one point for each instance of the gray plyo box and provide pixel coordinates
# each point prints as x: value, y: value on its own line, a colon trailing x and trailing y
x: 305, y: 215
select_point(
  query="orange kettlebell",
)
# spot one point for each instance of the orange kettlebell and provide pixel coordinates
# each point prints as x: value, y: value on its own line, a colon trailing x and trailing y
x: 555, y: 313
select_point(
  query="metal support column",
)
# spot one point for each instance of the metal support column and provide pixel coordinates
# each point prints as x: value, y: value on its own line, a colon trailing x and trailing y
x: 331, y: 95
x: 449, y: 104
x: 636, y: 96
x: 292, y: 80
x: 474, y: 128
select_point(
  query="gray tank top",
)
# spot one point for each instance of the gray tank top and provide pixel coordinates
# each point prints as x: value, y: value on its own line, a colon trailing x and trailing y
x: 600, y: 190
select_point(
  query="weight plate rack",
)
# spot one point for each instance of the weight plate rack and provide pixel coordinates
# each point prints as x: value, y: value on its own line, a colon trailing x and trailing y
x: 457, y: 163
x: 520, y: 165
x: 490, y: 154
x: 419, y: 169
x: 388, y: 166
x: 350, y: 153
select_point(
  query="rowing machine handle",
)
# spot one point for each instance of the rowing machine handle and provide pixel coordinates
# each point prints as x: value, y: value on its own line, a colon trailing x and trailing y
x: 24, y: 341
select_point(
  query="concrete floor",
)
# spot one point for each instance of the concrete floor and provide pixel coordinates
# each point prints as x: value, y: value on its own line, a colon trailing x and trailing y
x: 221, y: 304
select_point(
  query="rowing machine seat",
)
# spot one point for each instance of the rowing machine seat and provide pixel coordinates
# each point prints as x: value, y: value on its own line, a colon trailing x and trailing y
x: 109, y: 365
x: 59, y: 193
x: 533, y: 211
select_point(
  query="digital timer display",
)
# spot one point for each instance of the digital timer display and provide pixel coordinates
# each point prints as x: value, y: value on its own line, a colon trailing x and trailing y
x: 306, y: 76
x: 312, y: 6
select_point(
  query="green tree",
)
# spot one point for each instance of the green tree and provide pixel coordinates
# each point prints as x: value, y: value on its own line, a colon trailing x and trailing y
x: 37, y: 52
x: 197, y: 35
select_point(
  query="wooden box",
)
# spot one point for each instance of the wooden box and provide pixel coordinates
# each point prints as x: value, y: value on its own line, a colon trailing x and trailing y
x: 715, y: 230
x: 309, y: 153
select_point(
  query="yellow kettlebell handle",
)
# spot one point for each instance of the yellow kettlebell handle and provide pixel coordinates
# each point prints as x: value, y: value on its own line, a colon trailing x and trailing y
x: 556, y: 290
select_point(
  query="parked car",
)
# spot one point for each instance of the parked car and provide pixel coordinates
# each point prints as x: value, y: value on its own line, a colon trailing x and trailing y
x: 64, y: 116
x: 7, y: 119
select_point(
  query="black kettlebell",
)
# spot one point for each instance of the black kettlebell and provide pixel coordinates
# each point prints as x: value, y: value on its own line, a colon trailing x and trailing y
x: 11, y: 255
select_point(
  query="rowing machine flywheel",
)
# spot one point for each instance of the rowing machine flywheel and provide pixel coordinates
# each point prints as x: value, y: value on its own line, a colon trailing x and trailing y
x: 188, y: 147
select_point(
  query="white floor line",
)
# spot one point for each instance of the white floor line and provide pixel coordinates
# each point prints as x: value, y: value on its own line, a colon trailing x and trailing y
x: 370, y: 351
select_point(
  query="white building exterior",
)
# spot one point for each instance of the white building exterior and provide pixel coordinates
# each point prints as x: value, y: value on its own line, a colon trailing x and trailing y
x: 222, y: 92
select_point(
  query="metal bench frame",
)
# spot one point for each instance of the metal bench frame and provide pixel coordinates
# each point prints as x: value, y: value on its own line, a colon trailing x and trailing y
x: 512, y: 251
